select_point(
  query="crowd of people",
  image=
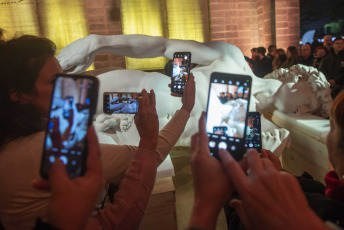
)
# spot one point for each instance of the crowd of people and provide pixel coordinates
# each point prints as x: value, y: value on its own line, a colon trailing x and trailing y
x: 327, y: 57
x: 269, y: 197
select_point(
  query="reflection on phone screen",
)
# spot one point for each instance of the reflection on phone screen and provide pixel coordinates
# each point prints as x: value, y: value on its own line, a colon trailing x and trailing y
x: 180, y: 71
x: 253, y: 132
x: 116, y: 102
x: 68, y: 124
x: 226, y: 113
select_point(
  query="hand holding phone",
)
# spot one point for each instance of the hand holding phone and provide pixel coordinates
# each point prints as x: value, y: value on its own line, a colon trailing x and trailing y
x: 72, y: 107
x: 253, y: 132
x: 180, y: 71
x: 121, y: 102
x: 147, y: 122
x: 228, y: 103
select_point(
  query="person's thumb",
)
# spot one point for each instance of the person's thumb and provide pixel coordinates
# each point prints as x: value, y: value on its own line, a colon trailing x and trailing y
x: 58, y: 173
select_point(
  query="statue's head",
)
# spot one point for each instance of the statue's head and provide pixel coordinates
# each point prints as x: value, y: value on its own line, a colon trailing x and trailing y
x: 304, y: 90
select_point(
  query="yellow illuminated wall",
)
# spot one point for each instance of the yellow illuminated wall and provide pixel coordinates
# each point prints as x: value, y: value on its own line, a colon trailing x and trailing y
x: 179, y: 19
x: 17, y: 16
x: 63, y: 21
x: 187, y: 19
x: 59, y: 20
x: 144, y: 17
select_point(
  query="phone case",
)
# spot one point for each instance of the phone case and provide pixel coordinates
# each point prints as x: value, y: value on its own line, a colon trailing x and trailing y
x: 180, y: 72
x: 73, y: 104
x: 226, y: 116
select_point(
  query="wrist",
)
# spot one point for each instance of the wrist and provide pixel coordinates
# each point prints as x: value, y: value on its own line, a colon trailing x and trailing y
x: 204, y: 215
x: 149, y: 145
x: 187, y: 108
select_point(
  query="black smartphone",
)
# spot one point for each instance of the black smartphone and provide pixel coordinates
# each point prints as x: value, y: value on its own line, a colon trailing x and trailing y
x: 253, y: 132
x: 180, y: 71
x: 121, y: 102
x: 226, y: 119
x: 73, y: 104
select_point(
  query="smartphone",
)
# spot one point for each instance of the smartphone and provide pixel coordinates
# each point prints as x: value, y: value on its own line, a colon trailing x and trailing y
x: 73, y: 104
x: 253, y: 132
x: 121, y: 102
x: 180, y: 71
x: 226, y: 115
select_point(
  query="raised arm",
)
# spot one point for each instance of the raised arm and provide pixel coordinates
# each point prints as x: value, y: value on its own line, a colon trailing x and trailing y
x: 79, y: 55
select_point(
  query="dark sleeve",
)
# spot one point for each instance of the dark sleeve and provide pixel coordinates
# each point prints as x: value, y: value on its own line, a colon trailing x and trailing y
x: 249, y: 60
x: 340, y: 78
x: 43, y: 226
x: 309, y: 185
x: 323, y: 66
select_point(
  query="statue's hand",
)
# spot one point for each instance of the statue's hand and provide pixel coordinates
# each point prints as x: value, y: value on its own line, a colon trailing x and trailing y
x: 79, y: 55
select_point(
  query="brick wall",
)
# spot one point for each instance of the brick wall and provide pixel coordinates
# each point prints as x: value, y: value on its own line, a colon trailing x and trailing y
x: 100, y: 22
x: 287, y: 23
x: 247, y: 23
x: 244, y: 23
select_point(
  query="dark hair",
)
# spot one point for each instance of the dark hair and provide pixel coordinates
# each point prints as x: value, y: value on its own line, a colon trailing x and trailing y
x: 21, y: 60
x: 261, y: 50
x: 294, y: 52
x: 2, y: 39
x: 254, y: 50
x: 338, y: 38
x: 271, y: 47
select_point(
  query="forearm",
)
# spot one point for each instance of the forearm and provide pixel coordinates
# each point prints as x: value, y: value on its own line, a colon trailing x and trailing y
x: 132, y: 198
x: 135, y: 46
x: 204, y: 216
x: 170, y: 134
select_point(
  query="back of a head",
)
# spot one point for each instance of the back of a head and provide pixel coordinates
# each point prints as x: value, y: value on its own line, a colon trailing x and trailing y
x: 294, y: 52
x: 261, y: 50
x: 21, y: 60
x: 337, y: 111
x: 271, y: 48
x: 2, y: 38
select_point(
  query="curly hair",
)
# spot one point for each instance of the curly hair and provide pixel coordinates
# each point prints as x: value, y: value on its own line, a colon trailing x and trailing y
x: 315, y: 80
x: 21, y: 60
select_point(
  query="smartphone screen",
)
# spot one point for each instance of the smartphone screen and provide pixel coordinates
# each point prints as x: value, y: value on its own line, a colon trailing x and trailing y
x: 228, y: 102
x: 72, y: 107
x: 180, y: 71
x: 121, y: 102
x: 253, y: 132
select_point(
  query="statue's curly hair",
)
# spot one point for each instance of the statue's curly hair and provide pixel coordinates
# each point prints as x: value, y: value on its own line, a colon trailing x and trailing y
x: 316, y: 81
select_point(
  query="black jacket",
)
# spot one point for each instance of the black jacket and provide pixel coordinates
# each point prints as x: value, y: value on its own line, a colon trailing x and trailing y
x: 332, y: 66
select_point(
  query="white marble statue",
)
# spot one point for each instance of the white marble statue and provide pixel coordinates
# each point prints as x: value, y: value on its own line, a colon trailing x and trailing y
x: 211, y: 56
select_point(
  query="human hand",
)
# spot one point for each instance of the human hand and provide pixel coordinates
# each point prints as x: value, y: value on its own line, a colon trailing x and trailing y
x: 188, y: 97
x: 77, y: 56
x: 73, y: 200
x: 211, y: 184
x: 147, y: 122
x: 270, y: 199
x: 267, y: 154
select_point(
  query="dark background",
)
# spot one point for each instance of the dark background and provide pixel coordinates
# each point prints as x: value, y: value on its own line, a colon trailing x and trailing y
x: 314, y: 14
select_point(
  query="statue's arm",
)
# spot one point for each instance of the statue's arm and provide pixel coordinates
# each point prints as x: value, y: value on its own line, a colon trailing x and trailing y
x: 81, y: 53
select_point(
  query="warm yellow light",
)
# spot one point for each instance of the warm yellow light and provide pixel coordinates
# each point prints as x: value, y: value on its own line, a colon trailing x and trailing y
x: 63, y: 21
x: 144, y: 17
x: 187, y: 19
x: 178, y: 19
x: 19, y: 17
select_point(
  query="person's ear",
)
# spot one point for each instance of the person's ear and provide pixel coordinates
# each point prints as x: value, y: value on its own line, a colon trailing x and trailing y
x: 20, y: 97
